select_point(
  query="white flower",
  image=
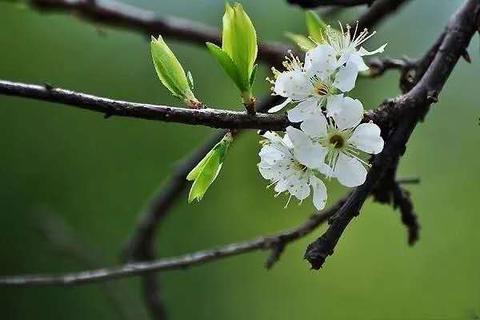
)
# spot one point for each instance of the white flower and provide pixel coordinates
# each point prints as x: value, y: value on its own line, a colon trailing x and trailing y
x: 348, y: 47
x: 340, y: 139
x: 280, y: 165
x: 314, y: 83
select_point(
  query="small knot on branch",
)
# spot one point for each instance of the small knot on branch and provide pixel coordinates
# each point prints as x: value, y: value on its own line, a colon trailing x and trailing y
x: 432, y: 96
x: 48, y: 86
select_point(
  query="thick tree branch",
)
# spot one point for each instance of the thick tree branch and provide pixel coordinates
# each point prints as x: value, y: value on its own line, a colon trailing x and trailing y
x: 116, y: 14
x: 414, y: 104
x: 339, y: 3
x: 180, y: 262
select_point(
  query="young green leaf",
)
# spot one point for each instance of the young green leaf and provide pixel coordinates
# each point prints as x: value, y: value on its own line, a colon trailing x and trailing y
x: 239, y: 39
x: 228, y: 65
x: 239, y: 49
x: 170, y: 71
x: 316, y: 27
x: 207, y: 170
x: 301, y: 41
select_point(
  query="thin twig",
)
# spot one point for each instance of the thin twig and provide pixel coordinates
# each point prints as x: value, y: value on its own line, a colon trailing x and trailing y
x: 402, y: 201
x: 378, y: 66
x: 116, y: 14
x: 215, y: 118
x: 389, y: 190
x: 180, y: 262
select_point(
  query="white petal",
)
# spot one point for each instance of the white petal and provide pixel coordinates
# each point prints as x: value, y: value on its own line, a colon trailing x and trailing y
x: 287, y: 142
x: 304, y: 110
x: 272, y: 137
x: 315, y: 126
x: 349, y: 115
x: 363, y: 52
x: 326, y: 170
x: 270, y: 155
x: 298, y: 137
x: 268, y: 172
x: 349, y: 171
x: 299, y: 187
x: 321, y: 61
x: 280, y: 106
x: 312, y: 156
x: 357, y: 60
x: 293, y: 84
x: 281, y: 186
x: 346, y: 54
x: 308, y: 153
x: 366, y: 137
x: 334, y: 104
x: 319, y: 193
x: 346, y: 77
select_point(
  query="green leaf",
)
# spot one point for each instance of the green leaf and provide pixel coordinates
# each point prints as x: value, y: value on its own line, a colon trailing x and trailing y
x: 239, y: 40
x: 228, y: 65
x: 316, y: 27
x: 169, y: 70
x: 207, y: 170
x: 301, y: 41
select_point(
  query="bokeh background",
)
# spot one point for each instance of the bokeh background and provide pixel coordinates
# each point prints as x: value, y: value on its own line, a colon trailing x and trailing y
x: 86, y: 179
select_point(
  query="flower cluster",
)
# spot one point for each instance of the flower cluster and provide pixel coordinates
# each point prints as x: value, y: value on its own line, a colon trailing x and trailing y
x: 332, y: 140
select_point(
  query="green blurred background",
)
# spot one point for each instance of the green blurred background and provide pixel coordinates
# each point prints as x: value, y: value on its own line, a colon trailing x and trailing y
x: 96, y: 175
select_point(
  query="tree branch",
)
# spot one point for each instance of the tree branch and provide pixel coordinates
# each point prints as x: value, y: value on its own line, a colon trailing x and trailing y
x: 180, y: 262
x: 215, y: 118
x: 210, y: 117
x: 414, y: 104
x: 378, y: 66
x: 116, y: 14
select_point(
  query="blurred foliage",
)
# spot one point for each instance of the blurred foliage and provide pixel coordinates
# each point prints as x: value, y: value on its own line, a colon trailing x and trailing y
x: 97, y: 174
